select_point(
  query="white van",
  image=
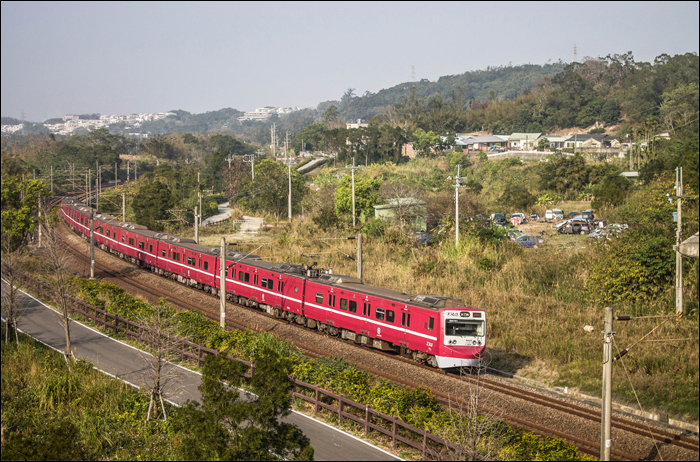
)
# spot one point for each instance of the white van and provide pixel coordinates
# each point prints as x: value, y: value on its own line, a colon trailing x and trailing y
x: 558, y: 214
x: 549, y: 215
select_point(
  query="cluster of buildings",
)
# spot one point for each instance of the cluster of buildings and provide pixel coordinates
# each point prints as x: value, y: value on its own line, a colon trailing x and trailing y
x: 530, y: 142
x: 72, y: 123
x: 264, y: 113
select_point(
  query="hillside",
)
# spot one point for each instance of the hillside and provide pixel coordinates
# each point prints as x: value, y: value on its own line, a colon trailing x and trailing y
x: 492, y: 84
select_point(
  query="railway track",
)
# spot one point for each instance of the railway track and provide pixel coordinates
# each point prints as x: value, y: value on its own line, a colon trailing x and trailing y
x: 659, y: 436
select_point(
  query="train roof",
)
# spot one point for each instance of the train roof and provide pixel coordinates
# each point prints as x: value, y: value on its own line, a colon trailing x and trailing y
x: 141, y: 230
x: 434, y: 302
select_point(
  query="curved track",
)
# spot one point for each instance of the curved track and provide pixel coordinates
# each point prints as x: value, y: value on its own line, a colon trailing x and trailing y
x: 660, y: 436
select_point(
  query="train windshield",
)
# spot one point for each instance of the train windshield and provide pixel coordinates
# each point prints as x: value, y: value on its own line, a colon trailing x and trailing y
x: 464, y: 328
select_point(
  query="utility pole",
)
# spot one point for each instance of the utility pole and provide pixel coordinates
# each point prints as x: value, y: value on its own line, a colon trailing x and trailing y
x: 222, y: 284
x: 289, y: 176
x: 457, y: 185
x: 196, y: 227
x: 229, y: 160
x: 359, y: 256
x: 273, y: 136
x: 39, y: 224
x: 92, y: 244
x: 116, y: 175
x: 353, y: 168
x: 124, y: 207
x: 52, y: 179
x: 679, y: 257
x: 606, y: 409
x: 251, y: 158
x: 128, y: 173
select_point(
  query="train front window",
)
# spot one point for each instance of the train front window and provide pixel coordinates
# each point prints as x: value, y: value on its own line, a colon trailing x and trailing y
x: 464, y: 328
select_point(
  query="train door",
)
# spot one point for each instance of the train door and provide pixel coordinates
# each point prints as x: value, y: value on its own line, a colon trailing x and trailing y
x: 405, y: 326
x: 366, y: 322
x: 331, y: 299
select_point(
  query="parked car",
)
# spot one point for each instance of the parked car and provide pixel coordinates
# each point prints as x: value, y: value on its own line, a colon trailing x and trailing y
x: 528, y: 240
x: 574, y: 227
x: 558, y: 214
x: 534, y: 217
x: 588, y: 215
x: 518, y: 219
x: 570, y: 215
x: 499, y: 219
x: 549, y: 215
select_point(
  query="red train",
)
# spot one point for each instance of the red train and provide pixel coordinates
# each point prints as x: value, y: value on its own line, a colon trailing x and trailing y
x: 431, y: 329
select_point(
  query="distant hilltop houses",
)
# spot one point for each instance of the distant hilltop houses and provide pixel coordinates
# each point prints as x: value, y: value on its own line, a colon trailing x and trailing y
x: 71, y: 123
x: 264, y: 113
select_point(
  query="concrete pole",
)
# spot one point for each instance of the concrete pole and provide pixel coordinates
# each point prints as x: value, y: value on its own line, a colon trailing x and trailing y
x: 39, y: 224
x: 606, y: 410
x: 359, y: 256
x: 679, y: 257
x: 128, y: 172
x: 353, y: 192
x: 124, y: 207
x: 222, y: 284
x: 52, y: 179
x: 196, y: 227
x: 92, y: 244
x: 116, y: 175
x: 289, y: 200
x: 457, y: 213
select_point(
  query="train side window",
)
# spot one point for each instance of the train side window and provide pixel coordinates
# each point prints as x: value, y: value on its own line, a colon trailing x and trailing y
x: 280, y: 286
x: 131, y: 241
x: 107, y: 233
x: 163, y: 253
x: 206, y: 265
x: 241, y: 275
x: 353, y: 306
x: 390, y: 316
x: 319, y: 297
x: 150, y: 249
x: 141, y: 245
x: 264, y: 282
x: 366, y: 309
x: 344, y: 304
x: 331, y: 300
x: 247, y: 277
x: 379, y: 313
x: 122, y: 238
x: 406, y: 319
x: 431, y: 323
x: 255, y: 279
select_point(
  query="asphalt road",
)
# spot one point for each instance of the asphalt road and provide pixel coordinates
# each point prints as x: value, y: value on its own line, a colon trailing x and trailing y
x: 132, y: 365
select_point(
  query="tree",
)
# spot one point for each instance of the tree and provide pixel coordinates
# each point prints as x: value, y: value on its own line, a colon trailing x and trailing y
x: 55, y: 262
x: 543, y: 144
x: 228, y: 426
x: 365, y: 195
x: 331, y: 114
x: 151, y: 203
x: 12, y: 259
x: 270, y: 190
x: 406, y: 201
x: 611, y: 191
x: 160, y: 336
x: 20, y: 202
x: 517, y: 196
x: 475, y: 420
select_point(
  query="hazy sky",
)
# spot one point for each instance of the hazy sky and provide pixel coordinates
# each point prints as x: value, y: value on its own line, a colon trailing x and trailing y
x: 119, y: 58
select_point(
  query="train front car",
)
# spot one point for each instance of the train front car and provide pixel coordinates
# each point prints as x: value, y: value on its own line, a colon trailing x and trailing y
x: 463, y: 337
